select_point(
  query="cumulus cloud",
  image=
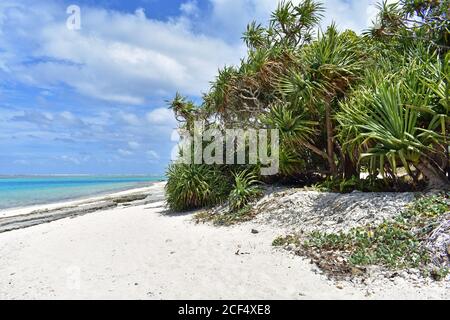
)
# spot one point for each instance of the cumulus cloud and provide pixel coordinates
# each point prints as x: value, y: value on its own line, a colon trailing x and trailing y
x: 108, y: 58
x: 190, y: 8
x: 230, y: 17
x: 67, y: 92
x: 130, y: 118
x: 161, y: 116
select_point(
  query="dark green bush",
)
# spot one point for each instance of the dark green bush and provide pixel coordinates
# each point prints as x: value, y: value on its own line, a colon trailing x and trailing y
x: 195, y: 186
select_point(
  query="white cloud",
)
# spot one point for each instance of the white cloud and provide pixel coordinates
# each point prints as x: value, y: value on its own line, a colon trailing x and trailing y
x: 124, y: 152
x: 133, y: 145
x: 190, y: 8
x: 130, y: 118
x: 355, y: 14
x: 127, y: 58
x: 161, y: 116
x: 110, y: 58
x: 153, y: 155
x: 68, y: 116
x: 232, y: 16
x: 140, y: 13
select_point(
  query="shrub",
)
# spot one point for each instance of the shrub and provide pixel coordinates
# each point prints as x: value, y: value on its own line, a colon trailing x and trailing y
x: 195, y: 186
x: 245, y: 189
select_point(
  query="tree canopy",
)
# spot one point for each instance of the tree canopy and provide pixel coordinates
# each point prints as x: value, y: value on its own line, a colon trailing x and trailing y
x: 344, y: 103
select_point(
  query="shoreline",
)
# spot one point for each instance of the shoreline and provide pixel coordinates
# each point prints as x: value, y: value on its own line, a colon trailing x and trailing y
x: 35, y: 215
x: 7, y: 212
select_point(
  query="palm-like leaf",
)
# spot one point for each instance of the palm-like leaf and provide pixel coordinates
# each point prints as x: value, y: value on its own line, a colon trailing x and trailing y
x: 185, y: 111
x: 388, y: 127
x: 294, y: 129
x: 194, y: 186
x: 246, y: 188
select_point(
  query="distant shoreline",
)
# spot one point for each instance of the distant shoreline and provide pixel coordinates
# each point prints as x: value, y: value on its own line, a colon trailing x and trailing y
x: 77, y: 197
x: 75, y: 175
x: 41, y: 213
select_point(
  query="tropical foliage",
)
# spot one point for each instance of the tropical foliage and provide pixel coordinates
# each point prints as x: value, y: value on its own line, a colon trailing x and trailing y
x: 344, y: 104
x: 245, y: 189
x: 194, y: 186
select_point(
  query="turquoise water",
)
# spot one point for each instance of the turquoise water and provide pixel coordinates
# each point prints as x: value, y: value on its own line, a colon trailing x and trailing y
x: 25, y: 191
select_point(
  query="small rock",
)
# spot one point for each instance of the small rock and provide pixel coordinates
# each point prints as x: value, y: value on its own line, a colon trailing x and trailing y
x: 291, y: 247
x: 339, y: 286
x: 254, y: 231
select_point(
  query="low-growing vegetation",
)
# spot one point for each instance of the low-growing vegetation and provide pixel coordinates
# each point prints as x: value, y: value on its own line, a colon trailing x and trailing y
x: 225, y: 219
x: 245, y: 189
x: 195, y: 186
x: 396, y: 244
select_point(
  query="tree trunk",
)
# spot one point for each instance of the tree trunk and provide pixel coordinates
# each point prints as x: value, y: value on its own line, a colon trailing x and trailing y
x: 350, y: 168
x: 330, y: 140
x: 436, y: 178
x: 315, y: 150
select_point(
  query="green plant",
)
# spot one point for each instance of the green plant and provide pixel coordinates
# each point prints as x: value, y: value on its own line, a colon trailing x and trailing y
x: 440, y: 274
x: 343, y: 103
x: 395, y: 244
x: 226, y: 219
x: 389, y: 244
x: 245, y: 189
x: 282, y: 241
x: 343, y: 185
x: 294, y: 129
x: 398, y: 125
x: 195, y: 186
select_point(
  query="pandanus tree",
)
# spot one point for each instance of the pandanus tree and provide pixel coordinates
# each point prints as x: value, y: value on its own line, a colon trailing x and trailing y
x: 291, y: 26
x: 186, y: 112
x: 342, y: 102
x: 240, y: 95
x: 414, y: 20
x: 325, y: 71
x: 396, y: 122
x: 296, y: 132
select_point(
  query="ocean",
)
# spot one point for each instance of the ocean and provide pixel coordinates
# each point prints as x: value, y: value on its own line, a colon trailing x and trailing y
x: 24, y: 191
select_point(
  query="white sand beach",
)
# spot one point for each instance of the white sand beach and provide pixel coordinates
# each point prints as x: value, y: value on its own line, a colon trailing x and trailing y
x: 141, y: 252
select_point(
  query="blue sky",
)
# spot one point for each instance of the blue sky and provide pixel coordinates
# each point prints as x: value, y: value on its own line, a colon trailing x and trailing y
x: 92, y: 101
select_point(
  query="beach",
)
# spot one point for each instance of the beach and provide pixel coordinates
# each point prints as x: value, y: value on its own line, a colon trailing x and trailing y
x: 141, y: 251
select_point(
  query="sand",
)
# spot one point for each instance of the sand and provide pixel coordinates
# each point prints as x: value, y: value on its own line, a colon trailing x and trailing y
x: 141, y: 252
